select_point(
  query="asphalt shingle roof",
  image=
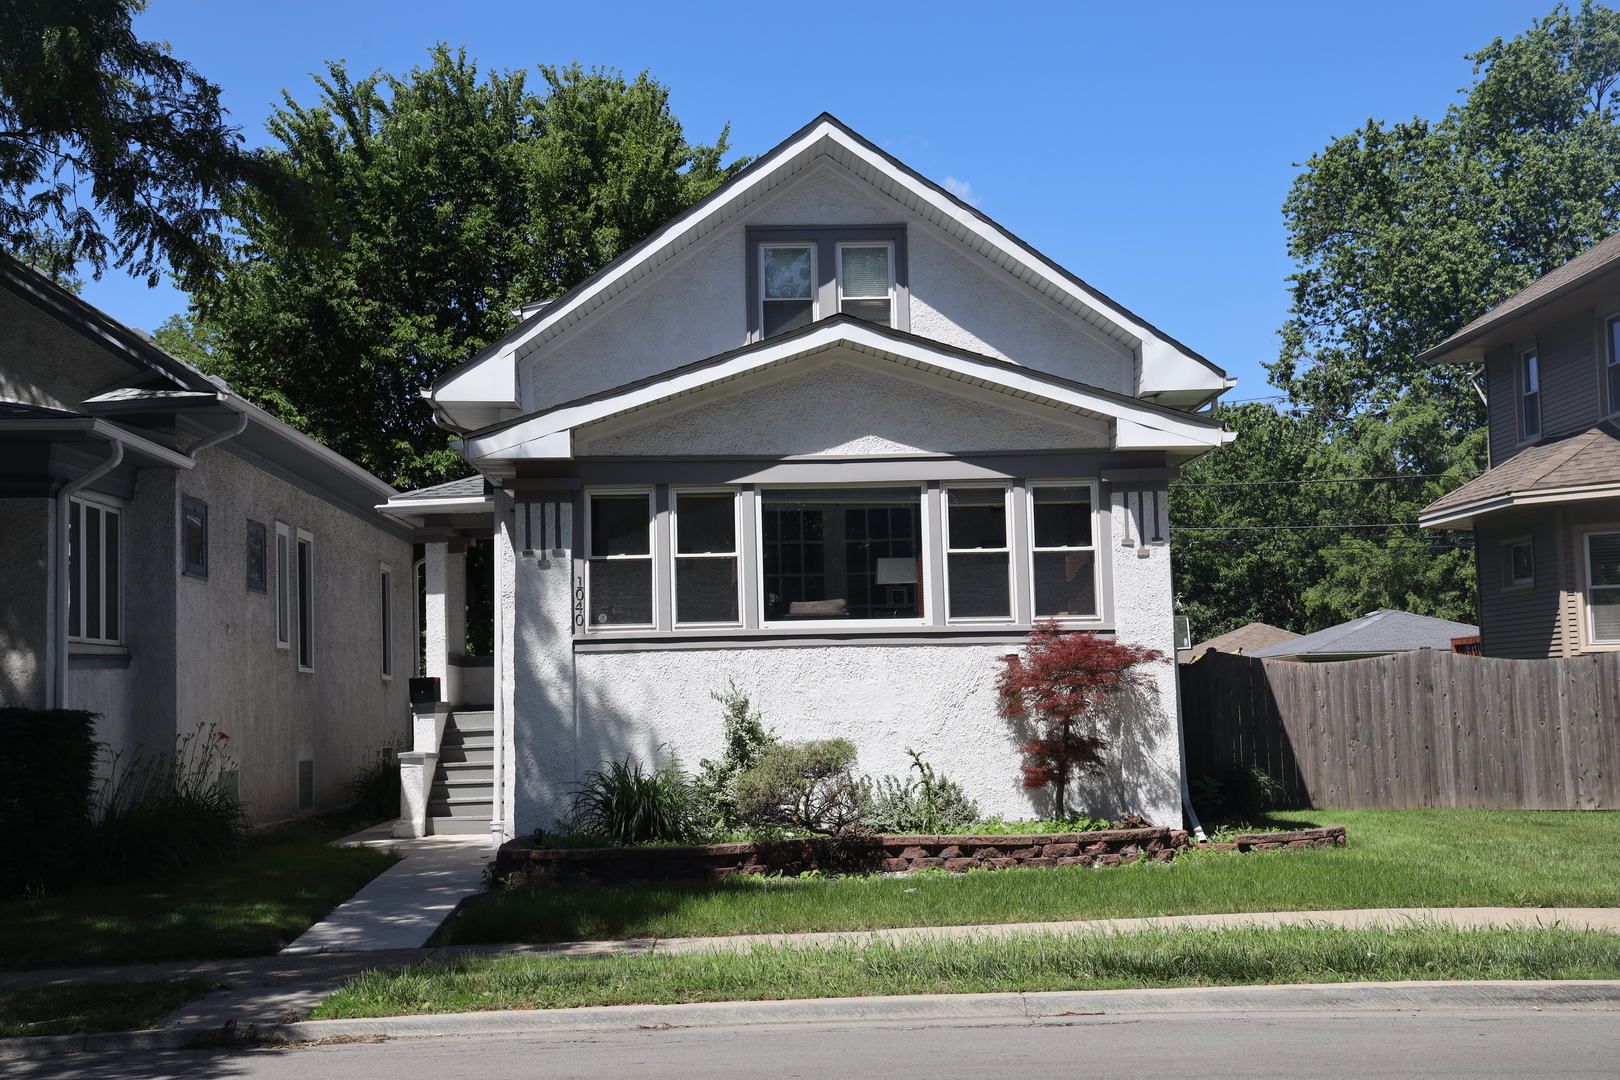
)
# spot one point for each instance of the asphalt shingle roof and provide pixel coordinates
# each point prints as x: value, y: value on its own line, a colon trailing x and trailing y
x: 1245, y: 639
x: 1375, y: 632
x: 468, y: 487
x: 1592, y: 457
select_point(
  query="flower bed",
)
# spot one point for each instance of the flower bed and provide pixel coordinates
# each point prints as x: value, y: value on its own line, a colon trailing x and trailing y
x: 517, y: 863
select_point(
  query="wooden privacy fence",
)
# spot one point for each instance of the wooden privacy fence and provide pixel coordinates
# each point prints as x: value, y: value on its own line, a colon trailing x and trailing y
x: 1413, y: 729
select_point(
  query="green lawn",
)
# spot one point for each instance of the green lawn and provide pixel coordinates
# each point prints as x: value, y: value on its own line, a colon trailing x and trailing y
x: 252, y: 906
x: 1395, y: 858
x: 86, y: 1010
x: 1244, y: 956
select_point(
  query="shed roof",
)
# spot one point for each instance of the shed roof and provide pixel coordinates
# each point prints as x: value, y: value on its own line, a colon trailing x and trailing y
x: 1374, y: 633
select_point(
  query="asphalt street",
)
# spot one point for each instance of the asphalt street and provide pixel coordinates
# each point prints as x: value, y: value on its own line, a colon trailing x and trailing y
x: 1206, y: 1046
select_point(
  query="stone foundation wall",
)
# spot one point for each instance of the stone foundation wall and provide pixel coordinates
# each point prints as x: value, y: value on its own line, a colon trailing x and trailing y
x: 519, y: 864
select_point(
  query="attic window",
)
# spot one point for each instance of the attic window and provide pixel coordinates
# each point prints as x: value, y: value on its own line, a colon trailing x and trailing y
x: 865, y: 282
x: 788, y: 288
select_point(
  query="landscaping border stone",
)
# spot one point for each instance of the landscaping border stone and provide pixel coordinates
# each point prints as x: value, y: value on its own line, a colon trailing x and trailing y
x: 519, y: 863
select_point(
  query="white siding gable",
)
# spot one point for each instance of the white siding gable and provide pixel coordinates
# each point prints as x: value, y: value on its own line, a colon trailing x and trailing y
x: 842, y: 408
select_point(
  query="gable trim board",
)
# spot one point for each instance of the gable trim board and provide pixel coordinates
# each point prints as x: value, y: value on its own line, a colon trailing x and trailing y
x: 1163, y: 364
x: 1138, y: 425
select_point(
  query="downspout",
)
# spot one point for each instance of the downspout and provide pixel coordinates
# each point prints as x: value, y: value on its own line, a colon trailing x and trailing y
x: 58, y: 696
x: 219, y: 436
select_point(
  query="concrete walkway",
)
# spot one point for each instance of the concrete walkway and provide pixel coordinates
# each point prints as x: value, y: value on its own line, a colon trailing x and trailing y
x: 403, y: 906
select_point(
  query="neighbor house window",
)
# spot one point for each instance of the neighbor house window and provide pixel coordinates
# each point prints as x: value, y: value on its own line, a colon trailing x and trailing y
x: 1518, y: 562
x: 866, y: 281
x: 306, y: 785
x: 1614, y: 365
x: 194, y: 536
x: 94, y: 584
x: 1530, y: 397
x: 842, y: 553
x: 1603, y: 585
x: 619, y: 568
x: 385, y: 611
x: 1064, y: 557
x: 304, y: 558
x: 787, y: 287
x: 706, y: 557
x: 978, y: 560
x: 283, y: 587
x: 257, y: 557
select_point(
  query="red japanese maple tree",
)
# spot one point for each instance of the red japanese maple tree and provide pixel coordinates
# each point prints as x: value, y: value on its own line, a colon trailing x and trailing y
x: 1056, y: 683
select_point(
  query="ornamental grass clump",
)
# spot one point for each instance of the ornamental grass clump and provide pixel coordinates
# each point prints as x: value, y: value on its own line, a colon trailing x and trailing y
x: 808, y: 786
x: 1061, y: 685
x: 625, y: 805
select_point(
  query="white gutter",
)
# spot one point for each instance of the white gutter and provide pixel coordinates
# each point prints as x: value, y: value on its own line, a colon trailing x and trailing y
x: 58, y: 695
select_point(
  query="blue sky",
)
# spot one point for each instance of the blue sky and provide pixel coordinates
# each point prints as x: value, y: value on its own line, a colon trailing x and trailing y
x: 1146, y: 147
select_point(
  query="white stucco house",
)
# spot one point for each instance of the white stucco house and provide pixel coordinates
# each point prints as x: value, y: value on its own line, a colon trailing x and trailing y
x: 831, y: 433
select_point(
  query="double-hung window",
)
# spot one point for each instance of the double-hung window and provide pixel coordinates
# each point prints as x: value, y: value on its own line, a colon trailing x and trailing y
x: 1518, y: 562
x: 1603, y: 586
x: 1065, y: 555
x: 1529, y: 397
x: 846, y: 553
x: 94, y: 583
x: 787, y: 287
x: 1613, y: 366
x: 304, y: 560
x: 706, y: 586
x: 619, y: 578
x: 978, y: 557
x: 385, y: 611
x: 866, y: 281
x: 283, y: 587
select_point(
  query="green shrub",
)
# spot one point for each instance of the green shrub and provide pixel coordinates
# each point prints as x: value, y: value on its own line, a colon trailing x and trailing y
x: 374, y: 791
x: 45, y: 801
x: 1235, y: 790
x: 715, y: 786
x: 627, y: 806
x: 165, y: 813
x: 806, y: 785
x: 930, y: 804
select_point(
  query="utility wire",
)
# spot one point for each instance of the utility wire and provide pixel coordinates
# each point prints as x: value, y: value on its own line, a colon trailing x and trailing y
x: 1345, y: 480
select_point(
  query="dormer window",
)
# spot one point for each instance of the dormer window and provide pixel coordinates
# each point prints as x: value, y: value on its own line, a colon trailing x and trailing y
x: 865, y: 283
x: 788, y: 288
x: 798, y: 274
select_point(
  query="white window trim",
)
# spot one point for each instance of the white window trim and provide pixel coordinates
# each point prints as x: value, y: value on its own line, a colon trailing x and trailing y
x: 675, y: 556
x: 815, y: 298
x: 386, y: 617
x: 305, y: 608
x: 815, y: 626
x: 1007, y: 547
x: 281, y: 557
x: 1522, y: 391
x: 105, y: 505
x: 838, y: 267
x: 1509, y: 582
x: 1588, y: 635
x: 1095, y: 548
x: 651, y: 558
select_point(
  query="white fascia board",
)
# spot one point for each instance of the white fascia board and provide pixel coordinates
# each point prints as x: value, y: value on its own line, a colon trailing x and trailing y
x: 1462, y: 517
x: 548, y: 435
x: 492, y: 380
x: 465, y: 505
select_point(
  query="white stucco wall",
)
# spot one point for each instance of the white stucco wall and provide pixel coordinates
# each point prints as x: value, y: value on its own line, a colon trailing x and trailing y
x: 695, y: 307
x: 846, y: 407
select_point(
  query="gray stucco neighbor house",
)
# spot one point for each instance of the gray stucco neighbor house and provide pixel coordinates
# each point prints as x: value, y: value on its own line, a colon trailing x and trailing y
x: 1546, y: 514
x: 832, y: 434
x: 172, y: 556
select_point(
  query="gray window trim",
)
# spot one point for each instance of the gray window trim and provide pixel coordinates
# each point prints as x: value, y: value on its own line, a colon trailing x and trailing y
x: 826, y: 238
x: 1522, y: 392
x: 1099, y: 546
x: 582, y: 623
x: 911, y: 634
x: 738, y: 497
x: 256, y: 528
x: 281, y: 557
x: 1509, y: 582
x: 188, y: 504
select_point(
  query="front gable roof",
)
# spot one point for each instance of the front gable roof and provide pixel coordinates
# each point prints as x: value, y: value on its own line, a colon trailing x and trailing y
x: 1164, y: 366
x: 1136, y: 424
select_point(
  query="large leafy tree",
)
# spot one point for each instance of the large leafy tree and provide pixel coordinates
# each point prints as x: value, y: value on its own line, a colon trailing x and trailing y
x: 428, y: 206
x: 1403, y: 233
x: 112, y: 152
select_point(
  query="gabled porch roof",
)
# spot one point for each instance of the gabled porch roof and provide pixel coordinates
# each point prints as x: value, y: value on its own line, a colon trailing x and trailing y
x: 1136, y: 424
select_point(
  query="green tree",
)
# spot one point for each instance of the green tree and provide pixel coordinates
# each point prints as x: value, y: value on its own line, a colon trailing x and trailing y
x: 427, y: 208
x: 86, y: 108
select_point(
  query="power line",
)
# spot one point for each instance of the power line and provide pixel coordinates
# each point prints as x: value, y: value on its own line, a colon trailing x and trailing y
x: 1344, y: 480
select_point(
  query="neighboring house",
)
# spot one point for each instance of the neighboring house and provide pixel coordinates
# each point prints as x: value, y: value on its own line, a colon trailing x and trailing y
x: 832, y: 434
x: 1376, y: 633
x: 1546, y: 516
x: 220, y: 567
x: 1245, y: 639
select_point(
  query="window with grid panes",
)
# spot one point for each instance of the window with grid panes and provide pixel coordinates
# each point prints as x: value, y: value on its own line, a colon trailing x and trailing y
x: 842, y: 553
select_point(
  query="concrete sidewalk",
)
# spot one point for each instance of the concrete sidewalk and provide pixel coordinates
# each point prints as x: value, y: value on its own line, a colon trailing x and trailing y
x: 403, y: 906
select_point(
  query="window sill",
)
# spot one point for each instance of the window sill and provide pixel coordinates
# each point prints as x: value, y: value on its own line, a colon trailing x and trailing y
x: 84, y: 656
x: 983, y: 634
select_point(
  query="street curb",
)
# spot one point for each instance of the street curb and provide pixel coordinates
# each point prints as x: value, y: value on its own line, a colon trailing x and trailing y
x: 1044, y: 1007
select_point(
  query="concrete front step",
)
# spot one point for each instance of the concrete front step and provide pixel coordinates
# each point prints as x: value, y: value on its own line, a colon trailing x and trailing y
x: 456, y: 806
x: 461, y: 826
x: 475, y: 789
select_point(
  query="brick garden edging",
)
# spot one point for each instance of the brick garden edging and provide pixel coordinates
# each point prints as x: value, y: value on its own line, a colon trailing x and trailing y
x: 516, y: 863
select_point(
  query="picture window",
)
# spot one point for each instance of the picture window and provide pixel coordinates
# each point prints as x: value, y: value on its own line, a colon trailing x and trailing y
x: 833, y: 554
